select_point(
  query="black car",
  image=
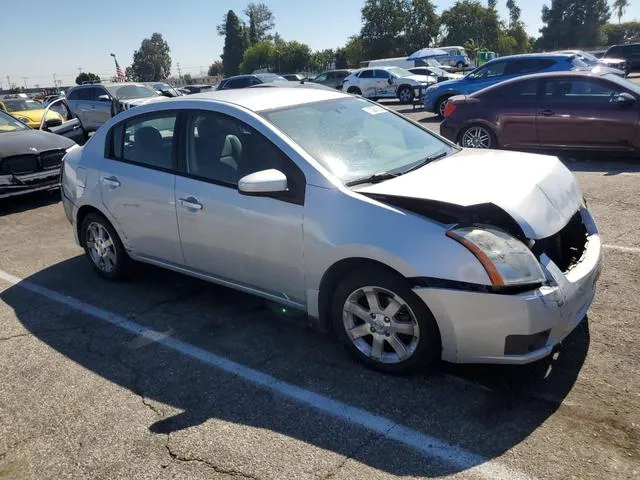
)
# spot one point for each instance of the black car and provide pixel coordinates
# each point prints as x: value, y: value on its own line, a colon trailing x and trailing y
x: 244, y: 81
x: 30, y: 159
x: 197, y: 88
x: 629, y: 52
x: 293, y: 77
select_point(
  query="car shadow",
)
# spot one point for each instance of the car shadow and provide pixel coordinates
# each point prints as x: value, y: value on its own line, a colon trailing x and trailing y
x: 29, y: 201
x: 431, y: 119
x: 484, y: 409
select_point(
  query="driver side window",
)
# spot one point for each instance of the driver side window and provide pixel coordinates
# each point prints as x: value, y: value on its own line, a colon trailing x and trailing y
x: 491, y: 70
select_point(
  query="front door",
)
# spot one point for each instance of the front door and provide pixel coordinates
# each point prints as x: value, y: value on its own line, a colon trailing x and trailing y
x: 248, y: 240
x: 367, y: 84
x: 578, y: 113
x: 137, y: 181
x: 384, y: 89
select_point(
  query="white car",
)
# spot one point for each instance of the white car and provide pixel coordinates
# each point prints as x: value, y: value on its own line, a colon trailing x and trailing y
x: 387, y: 82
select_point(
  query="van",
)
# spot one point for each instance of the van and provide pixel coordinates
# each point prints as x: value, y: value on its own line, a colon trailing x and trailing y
x: 457, y: 57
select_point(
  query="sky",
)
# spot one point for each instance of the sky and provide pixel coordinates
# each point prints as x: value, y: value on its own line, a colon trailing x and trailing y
x: 80, y: 34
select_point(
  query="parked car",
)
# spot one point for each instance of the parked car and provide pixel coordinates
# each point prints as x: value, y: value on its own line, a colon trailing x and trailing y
x: 293, y: 77
x: 244, y: 81
x: 630, y: 52
x: 30, y: 112
x: 332, y: 78
x: 441, y: 75
x: 410, y: 247
x: 192, y: 89
x: 593, y: 61
x: 387, y: 82
x: 496, y: 71
x: 95, y: 103
x: 29, y: 159
x: 50, y: 98
x: 164, y: 89
x: 457, y: 57
x: 556, y: 111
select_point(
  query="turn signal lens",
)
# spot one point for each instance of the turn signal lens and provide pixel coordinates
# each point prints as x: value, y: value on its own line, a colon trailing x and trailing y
x: 449, y: 108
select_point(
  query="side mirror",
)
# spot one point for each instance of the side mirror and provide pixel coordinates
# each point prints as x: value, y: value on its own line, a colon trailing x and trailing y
x: 390, y: 80
x: 104, y: 98
x: 623, y: 99
x: 52, y: 122
x: 263, y: 183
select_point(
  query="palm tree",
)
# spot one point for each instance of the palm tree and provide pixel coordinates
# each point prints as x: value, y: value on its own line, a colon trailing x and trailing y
x: 620, y: 6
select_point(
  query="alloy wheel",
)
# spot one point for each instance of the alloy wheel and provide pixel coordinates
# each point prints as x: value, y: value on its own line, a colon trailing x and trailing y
x: 100, y: 247
x: 381, y: 324
x: 476, y: 137
x: 405, y: 95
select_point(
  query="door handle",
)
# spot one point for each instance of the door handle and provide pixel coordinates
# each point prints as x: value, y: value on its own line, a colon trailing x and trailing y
x: 547, y: 112
x: 191, y: 203
x: 111, y: 182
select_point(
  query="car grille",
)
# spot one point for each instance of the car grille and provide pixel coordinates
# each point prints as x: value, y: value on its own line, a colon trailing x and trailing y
x: 566, y: 247
x: 25, y: 164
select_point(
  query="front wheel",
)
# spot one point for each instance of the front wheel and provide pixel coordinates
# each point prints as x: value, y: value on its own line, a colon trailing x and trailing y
x: 459, y: 65
x: 441, y: 104
x: 104, y: 248
x: 477, y: 136
x: 382, y: 322
x: 405, y: 95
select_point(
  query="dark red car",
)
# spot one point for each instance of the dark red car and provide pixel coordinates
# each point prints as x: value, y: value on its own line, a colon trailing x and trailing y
x: 556, y: 111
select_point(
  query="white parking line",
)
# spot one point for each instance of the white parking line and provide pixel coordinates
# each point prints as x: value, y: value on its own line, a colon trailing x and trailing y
x: 429, y: 446
x: 620, y: 248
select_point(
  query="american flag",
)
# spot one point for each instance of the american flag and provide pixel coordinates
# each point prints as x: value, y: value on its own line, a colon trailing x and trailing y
x: 119, y: 71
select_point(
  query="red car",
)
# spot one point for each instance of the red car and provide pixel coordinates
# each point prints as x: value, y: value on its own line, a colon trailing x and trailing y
x: 556, y: 111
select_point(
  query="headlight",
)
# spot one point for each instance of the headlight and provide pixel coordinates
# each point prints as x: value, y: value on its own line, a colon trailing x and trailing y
x: 506, y: 259
x: 431, y: 89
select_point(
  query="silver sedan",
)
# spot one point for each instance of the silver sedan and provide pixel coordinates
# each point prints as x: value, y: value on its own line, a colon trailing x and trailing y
x: 406, y: 246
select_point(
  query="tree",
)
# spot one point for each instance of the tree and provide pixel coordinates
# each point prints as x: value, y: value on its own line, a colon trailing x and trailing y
x: 322, y: 60
x: 469, y: 20
x: 342, y: 60
x: 188, y: 79
x: 234, y: 44
x: 383, y: 22
x: 354, y: 51
x: 152, y: 62
x: 261, y: 22
x: 573, y: 23
x: 215, y: 69
x: 619, y: 7
x: 257, y: 57
x: 519, y: 41
x: 615, y: 33
x: 422, y: 25
x: 87, y: 77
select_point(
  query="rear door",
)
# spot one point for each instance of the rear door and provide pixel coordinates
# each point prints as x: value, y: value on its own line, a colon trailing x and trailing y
x: 71, y: 126
x: 578, y: 113
x: 384, y: 89
x: 367, y: 83
x: 137, y: 180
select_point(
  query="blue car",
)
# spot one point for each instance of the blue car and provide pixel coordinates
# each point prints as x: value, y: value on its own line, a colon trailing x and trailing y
x: 496, y: 71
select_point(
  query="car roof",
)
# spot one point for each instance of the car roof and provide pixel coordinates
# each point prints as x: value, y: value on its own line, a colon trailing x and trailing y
x: 259, y: 99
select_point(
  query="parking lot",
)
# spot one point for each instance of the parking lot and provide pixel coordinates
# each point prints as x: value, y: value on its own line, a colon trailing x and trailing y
x: 166, y: 376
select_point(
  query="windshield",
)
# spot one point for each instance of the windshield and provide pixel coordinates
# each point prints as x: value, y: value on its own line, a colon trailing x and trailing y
x: 578, y: 62
x: 400, y: 72
x: 623, y: 82
x: 354, y: 138
x: 124, y: 92
x: 10, y: 124
x: 432, y: 62
x: 268, y: 78
x: 21, y: 105
x: 588, y: 57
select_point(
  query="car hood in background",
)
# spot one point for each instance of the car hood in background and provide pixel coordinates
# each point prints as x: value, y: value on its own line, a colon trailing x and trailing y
x: 31, y: 142
x: 418, y: 78
x: 602, y: 70
x: 136, y: 102
x: 537, y: 191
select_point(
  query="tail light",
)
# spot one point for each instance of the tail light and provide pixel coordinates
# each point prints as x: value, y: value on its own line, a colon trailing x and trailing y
x: 449, y: 108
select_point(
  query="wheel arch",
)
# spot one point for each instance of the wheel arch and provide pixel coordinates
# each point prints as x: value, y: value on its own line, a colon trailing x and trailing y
x: 85, y: 210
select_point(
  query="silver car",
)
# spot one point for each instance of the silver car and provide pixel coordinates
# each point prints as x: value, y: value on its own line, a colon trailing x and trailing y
x: 407, y: 246
x: 96, y: 103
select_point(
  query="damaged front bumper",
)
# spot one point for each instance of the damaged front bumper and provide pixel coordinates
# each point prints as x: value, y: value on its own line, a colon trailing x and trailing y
x: 13, y: 185
x: 478, y: 327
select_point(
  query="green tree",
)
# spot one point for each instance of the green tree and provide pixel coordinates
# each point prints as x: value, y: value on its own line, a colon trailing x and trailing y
x: 234, y: 44
x: 188, y: 79
x: 422, y: 25
x: 322, y: 60
x: 615, y: 33
x: 519, y: 41
x: 261, y: 22
x: 619, y: 7
x: 152, y: 61
x: 469, y: 19
x: 342, y: 60
x: 573, y: 23
x: 258, y: 56
x: 383, y: 23
x: 216, y: 68
x: 87, y: 77
x: 293, y: 56
x: 354, y: 51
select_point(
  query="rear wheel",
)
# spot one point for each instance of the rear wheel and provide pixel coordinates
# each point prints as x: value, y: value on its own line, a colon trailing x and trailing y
x: 477, y: 136
x: 354, y: 91
x: 459, y: 65
x: 104, y: 248
x: 405, y: 94
x: 382, y: 322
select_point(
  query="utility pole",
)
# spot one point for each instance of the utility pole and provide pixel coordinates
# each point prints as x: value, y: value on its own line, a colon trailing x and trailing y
x: 79, y: 69
x: 179, y: 71
x: 25, y: 81
x: 9, y: 83
x: 54, y: 80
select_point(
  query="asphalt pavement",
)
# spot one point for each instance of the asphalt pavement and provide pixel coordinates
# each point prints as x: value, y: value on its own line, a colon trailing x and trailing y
x: 165, y: 376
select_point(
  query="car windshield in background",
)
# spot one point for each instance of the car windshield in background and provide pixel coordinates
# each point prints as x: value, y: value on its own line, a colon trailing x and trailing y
x: 432, y: 62
x: 270, y: 77
x: 400, y: 72
x: 125, y: 92
x: 20, y: 105
x: 354, y: 138
x: 577, y: 62
x: 10, y: 124
x: 587, y: 57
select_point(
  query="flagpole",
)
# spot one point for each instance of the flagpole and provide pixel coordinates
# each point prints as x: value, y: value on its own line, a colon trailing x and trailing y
x: 118, y: 77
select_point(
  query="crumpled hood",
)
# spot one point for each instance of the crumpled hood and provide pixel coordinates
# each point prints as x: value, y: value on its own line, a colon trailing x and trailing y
x: 537, y: 191
x: 31, y: 142
x: 418, y: 79
x: 136, y: 102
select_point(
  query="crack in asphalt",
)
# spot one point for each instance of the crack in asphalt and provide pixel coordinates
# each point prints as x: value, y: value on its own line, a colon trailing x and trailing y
x: 49, y: 330
x: 168, y: 301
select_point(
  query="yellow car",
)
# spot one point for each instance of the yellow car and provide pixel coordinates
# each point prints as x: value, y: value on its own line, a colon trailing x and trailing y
x: 27, y: 111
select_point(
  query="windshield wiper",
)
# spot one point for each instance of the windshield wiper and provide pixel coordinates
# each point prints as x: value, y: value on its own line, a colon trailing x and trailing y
x: 424, y: 161
x: 375, y: 178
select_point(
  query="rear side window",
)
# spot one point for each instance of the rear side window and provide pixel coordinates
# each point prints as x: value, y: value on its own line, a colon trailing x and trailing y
x: 366, y: 74
x: 579, y: 91
x: 74, y: 94
x: 381, y: 74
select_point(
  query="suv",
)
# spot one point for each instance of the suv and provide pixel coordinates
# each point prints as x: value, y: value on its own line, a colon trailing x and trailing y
x: 386, y: 82
x: 496, y: 71
x: 96, y: 103
x: 331, y: 78
x: 457, y: 57
x: 630, y: 52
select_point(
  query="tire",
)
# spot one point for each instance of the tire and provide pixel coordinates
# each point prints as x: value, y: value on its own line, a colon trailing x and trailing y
x: 459, y: 65
x: 440, y: 104
x: 354, y: 91
x: 477, y: 136
x: 405, y: 95
x: 411, y: 330
x: 109, y: 258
